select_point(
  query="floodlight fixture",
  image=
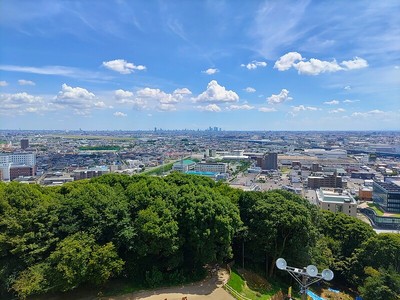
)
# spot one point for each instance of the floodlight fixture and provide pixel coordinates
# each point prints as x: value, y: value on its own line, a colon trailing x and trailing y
x: 312, y: 271
x: 327, y: 274
x: 281, y: 264
x: 305, y: 276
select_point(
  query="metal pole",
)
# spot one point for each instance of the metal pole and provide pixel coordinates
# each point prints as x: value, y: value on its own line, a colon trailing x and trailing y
x: 304, y: 289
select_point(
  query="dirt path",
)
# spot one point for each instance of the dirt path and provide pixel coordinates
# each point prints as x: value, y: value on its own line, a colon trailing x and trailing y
x: 210, y: 288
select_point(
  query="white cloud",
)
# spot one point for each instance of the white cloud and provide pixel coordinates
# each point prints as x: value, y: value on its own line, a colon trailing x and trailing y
x: 55, y: 70
x: 347, y: 88
x: 240, y: 107
x: 356, y: 63
x: 254, y: 65
x: 267, y: 109
x: 287, y: 61
x: 350, y: 101
x: 250, y: 89
x: 167, y: 107
x: 367, y: 113
x: 315, y: 66
x: 68, y: 92
x: 79, y: 99
x: 3, y: 83
x: 122, y: 66
x: 304, y: 108
x: 21, y: 103
x: 333, y: 102
x: 281, y: 97
x: 336, y: 111
x: 217, y: 93
x: 148, y: 98
x: 210, y: 71
x: 210, y: 107
x: 162, y: 97
x: 25, y: 82
x: 119, y: 114
x: 129, y: 98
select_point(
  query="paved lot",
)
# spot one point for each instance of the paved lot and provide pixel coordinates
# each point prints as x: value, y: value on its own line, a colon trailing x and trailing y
x: 207, y: 289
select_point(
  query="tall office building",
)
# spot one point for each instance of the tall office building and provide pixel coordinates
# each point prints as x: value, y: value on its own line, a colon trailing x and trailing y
x: 24, y: 144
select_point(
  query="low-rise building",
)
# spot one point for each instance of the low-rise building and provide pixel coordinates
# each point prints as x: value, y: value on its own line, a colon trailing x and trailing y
x: 184, y: 165
x: 365, y: 193
x: 336, y: 201
x: 211, y: 167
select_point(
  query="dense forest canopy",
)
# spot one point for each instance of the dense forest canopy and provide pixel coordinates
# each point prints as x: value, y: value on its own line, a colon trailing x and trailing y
x: 164, y: 230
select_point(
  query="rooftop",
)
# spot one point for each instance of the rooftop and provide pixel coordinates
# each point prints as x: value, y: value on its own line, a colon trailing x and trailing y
x: 389, y: 186
x: 332, y: 196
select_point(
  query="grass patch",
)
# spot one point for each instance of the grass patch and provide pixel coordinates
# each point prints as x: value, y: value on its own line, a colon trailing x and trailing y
x: 380, y: 212
x: 159, y: 170
x: 376, y: 208
x: 254, y: 286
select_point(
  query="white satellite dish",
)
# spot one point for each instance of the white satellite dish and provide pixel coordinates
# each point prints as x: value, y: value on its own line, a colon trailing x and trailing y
x: 327, y: 274
x: 312, y: 270
x: 281, y: 264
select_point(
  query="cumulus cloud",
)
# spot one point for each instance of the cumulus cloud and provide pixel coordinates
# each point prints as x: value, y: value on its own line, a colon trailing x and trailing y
x: 315, y: 66
x: 210, y: 71
x: 287, y: 61
x: 304, y: 108
x: 250, y: 89
x: 254, y: 65
x: 333, y: 102
x: 25, y: 82
x: 21, y: 103
x: 281, y: 97
x: 122, y: 66
x: 266, y: 109
x: 356, y: 63
x: 217, y: 93
x: 240, y: 107
x: 79, y: 99
x: 3, y: 83
x: 152, y: 98
x: 210, y: 107
x: 119, y: 114
x: 336, y: 111
x: 347, y: 88
x: 129, y: 98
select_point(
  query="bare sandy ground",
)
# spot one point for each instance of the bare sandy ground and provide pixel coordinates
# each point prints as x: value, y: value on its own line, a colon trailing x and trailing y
x: 210, y: 288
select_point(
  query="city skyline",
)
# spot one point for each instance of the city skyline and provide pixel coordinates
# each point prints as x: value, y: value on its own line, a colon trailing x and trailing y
x: 259, y: 65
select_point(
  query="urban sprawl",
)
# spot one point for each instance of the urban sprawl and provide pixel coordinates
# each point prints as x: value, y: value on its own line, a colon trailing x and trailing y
x: 356, y: 173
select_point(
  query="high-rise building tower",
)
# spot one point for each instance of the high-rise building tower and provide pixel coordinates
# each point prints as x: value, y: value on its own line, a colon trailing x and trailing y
x: 24, y: 144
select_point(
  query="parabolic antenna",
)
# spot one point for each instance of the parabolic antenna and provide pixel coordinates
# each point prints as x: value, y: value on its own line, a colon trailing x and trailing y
x: 312, y: 270
x: 327, y: 274
x: 281, y: 264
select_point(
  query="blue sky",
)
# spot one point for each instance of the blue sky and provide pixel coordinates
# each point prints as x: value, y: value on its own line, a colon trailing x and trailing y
x: 238, y: 65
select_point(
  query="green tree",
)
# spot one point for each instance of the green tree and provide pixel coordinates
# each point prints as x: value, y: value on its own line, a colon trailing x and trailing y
x: 381, y: 285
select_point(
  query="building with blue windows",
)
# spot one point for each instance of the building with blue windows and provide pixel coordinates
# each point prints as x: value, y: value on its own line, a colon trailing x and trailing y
x: 387, y: 196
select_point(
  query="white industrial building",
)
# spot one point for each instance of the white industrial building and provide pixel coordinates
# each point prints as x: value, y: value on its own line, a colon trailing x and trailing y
x: 211, y: 167
x: 326, y: 154
x: 15, y: 159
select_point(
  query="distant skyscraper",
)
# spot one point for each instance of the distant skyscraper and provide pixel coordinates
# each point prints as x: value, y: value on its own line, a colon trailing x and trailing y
x: 24, y: 144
